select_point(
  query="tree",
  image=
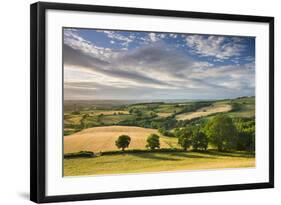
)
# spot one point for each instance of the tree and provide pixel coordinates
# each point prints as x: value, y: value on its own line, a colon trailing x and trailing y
x: 184, y: 137
x: 199, y: 140
x: 246, y: 139
x: 246, y: 134
x: 153, y: 141
x: 123, y: 142
x: 164, y: 132
x: 222, y: 132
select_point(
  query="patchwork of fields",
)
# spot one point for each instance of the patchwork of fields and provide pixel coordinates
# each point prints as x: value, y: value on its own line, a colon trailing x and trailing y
x: 95, y: 128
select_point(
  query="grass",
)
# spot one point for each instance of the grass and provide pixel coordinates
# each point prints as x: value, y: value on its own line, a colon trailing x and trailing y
x: 205, y: 111
x: 168, y: 108
x: 103, y: 133
x: 246, y: 108
x: 73, y: 119
x: 103, y: 138
x: 156, y: 162
x: 113, y: 119
x: 164, y: 114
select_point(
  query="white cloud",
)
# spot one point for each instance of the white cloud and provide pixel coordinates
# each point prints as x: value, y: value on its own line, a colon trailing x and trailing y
x: 124, y: 40
x: 162, y: 35
x: 154, y: 69
x: 153, y: 37
x: 72, y: 39
x: 214, y: 46
x: 172, y: 35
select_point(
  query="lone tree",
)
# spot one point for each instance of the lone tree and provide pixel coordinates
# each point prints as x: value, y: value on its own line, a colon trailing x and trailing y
x: 153, y: 141
x: 184, y: 137
x: 222, y: 132
x: 123, y: 142
x: 199, y: 140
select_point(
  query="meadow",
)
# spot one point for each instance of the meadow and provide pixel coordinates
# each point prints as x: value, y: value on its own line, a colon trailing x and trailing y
x: 184, y: 131
x: 155, y: 162
x: 205, y: 111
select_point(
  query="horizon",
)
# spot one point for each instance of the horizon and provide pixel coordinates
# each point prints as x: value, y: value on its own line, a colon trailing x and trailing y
x: 160, y: 100
x: 135, y: 65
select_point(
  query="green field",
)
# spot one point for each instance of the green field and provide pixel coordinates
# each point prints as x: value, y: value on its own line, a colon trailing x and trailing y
x: 85, y: 115
x: 96, y: 125
x: 156, y: 162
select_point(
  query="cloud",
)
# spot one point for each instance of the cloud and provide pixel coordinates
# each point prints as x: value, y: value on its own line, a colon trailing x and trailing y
x: 215, y: 46
x: 77, y: 58
x: 162, y: 35
x: 125, y: 40
x: 172, y: 35
x: 153, y: 37
x: 156, y: 70
x: 72, y: 39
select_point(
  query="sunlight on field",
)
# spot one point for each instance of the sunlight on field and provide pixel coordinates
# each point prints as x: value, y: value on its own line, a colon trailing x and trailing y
x: 103, y: 139
x: 73, y: 119
x: 164, y: 114
x: 155, y: 162
x: 205, y: 111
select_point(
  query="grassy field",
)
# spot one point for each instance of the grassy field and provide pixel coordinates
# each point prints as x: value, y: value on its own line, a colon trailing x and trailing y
x: 205, y: 111
x: 156, y: 162
x: 246, y: 108
x: 95, y: 127
x: 103, y: 139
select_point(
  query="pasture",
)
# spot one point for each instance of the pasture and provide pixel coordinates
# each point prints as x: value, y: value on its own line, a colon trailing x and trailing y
x: 205, y: 111
x: 156, y: 162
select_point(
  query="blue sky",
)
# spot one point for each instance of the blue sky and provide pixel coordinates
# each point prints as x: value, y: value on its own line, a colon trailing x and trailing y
x: 107, y: 64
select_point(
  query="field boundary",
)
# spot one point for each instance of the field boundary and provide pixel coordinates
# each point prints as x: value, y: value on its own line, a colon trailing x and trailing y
x: 89, y: 154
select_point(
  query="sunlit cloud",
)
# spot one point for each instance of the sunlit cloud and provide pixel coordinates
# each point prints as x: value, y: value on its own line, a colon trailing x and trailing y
x: 141, y: 65
x: 215, y: 46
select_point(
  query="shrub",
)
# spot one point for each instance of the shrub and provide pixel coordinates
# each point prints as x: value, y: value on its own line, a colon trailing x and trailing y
x: 136, y: 151
x: 79, y: 154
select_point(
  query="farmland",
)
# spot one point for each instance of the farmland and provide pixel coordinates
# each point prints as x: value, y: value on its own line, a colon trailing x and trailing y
x: 151, y: 162
x: 95, y: 126
x: 205, y: 111
x: 103, y: 139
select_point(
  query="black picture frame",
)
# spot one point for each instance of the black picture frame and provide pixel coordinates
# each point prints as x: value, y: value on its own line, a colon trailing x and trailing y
x: 38, y: 101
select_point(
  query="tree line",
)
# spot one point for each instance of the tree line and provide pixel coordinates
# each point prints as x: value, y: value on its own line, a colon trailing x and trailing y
x: 222, y: 132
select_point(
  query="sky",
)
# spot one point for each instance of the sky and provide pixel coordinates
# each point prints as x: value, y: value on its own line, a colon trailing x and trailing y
x: 135, y: 65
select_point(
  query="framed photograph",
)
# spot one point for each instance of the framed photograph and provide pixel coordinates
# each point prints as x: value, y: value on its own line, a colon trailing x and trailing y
x: 129, y: 102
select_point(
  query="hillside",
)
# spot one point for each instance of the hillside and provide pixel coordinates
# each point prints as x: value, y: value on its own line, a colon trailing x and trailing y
x: 103, y: 139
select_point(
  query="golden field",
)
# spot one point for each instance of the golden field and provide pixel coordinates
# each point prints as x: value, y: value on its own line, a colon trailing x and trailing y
x: 103, y: 139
